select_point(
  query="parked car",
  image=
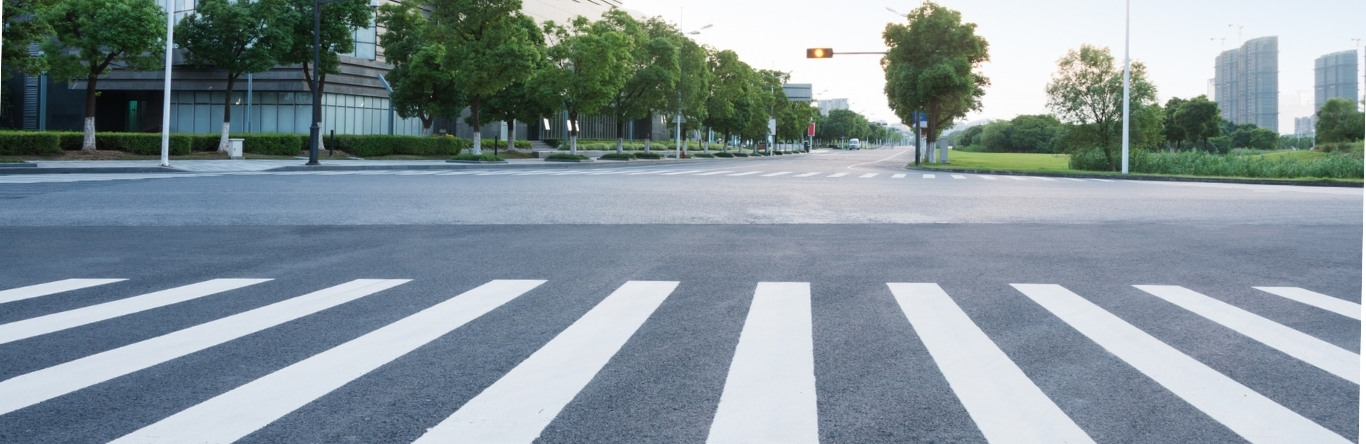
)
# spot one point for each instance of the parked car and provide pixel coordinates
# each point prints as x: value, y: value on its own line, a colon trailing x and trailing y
x: 853, y: 144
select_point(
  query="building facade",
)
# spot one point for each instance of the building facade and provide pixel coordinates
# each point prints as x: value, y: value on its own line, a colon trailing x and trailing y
x: 355, y: 101
x: 1246, y: 83
x: 832, y: 104
x: 1335, y: 77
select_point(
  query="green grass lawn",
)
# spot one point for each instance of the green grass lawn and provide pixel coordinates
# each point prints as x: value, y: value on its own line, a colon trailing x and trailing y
x: 1044, y: 163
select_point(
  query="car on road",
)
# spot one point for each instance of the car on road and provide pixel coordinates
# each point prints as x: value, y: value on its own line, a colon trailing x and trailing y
x: 853, y: 144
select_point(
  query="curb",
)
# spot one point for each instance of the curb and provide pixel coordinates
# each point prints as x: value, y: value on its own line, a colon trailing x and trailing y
x: 1148, y: 178
x: 94, y: 170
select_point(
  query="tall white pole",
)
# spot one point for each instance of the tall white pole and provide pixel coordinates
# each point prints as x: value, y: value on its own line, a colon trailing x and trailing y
x: 1125, y: 152
x: 166, y: 95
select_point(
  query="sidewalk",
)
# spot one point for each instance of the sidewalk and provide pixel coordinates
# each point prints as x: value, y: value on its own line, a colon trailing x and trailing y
x: 224, y: 166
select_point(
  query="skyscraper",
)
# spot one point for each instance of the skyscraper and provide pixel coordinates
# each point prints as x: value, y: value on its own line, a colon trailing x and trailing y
x: 1335, y: 77
x: 1246, y: 83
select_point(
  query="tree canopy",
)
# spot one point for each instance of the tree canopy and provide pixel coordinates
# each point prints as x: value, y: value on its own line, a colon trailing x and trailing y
x: 422, y: 88
x: 1198, y: 119
x: 931, y: 67
x: 489, y: 45
x: 587, y: 67
x: 1339, y: 121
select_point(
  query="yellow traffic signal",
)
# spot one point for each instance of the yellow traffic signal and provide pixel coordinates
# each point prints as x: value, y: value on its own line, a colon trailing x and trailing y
x: 820, y: 53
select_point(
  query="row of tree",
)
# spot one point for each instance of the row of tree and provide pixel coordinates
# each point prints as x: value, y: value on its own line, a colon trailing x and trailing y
x: 448, y: 56
x: 83, y: 40
x: 499, y: 63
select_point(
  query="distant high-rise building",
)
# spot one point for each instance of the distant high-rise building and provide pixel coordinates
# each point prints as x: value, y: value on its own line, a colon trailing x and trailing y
x: 1335, y: 77
x: 1304, y: 126
x: 833, y: 104
x: 1246, y: 83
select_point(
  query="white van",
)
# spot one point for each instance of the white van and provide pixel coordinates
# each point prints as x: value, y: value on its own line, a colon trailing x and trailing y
x: 853, y: 144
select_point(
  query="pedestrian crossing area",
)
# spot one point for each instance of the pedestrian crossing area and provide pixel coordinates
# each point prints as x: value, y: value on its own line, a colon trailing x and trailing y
x: 769, y: 393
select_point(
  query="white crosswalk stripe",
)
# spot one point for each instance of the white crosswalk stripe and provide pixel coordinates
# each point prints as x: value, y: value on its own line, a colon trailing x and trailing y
x: 838, y: 175
x: 62, y: 286
x: 237, y: 413
x: 988, y: 177
x: 1017, y: 178
x: 899, y: 176
x: 1004, y: 403
x: 927, y: 176
x: 807, y: 174
x: 1316, y: 352
x: 32, y: 388
x: 1244, y: 411
x: 770, y: 392
x: 745, y: 173
x: 868, y: 175
x: 780, y: 173
x: 520, y: 404
x: 958, y: 176
x: 42, y: 325
x: 713, y: 173
x: 1335, y: 305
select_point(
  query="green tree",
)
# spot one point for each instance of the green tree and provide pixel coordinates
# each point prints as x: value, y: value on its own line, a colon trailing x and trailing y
x: 996, y: 137
x: 1147, y: 129
x: 1262, y: 139
x: 237, y: 37
x: 969, y: 137
x: 23, y: 27
x: 728, y: 104
x: 1199, y: 120
x: 422, y: 88
x: 1339, y: 121
x: 488, y: 47
x: 931, y: 67
x: 588, y: 64
x: 1173, y: 133
x: 1034, y: 133
x: 520, y: 101
x: 89, y: 36
x: 694, y: 84
x: 843, y: 124
x: 651, y: 72
x: 1088, y: 92
x: 336, y: 36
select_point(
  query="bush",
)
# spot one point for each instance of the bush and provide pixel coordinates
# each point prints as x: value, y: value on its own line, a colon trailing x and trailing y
x: 649, y: 156
x: 486, y: 157
x: 741, y: 154
x: 554, y: 143
x: 274, y: 144
x: 703, y: 155
x: 559, y: 156
x: 1213, y: 165
x: 29, y: 144
x: 141, y: 143
x: 1340, y: 147
x: 622, y: 156
x: 375, y: 145
x: 725, y: 155
x: 71, y: 140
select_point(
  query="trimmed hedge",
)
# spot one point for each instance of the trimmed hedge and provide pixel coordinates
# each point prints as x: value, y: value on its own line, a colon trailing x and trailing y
x: 725, y: 155
x: 649, y: 156
x: 486, y: 157
x: 625, y: 156
x: 567, y: 157
x: 741, y: 154
x: 147, y: 144
x: 384, y: 145
x: 29, y: 144
x: 704, y: 155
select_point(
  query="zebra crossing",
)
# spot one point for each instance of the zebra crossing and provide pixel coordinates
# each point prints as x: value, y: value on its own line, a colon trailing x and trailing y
x: 770, y: 392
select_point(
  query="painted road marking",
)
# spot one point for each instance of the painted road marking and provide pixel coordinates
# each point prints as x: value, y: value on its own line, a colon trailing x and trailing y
x: 33, y: 291
x: 1244, y: 411
x: 806, y: 175
x: 42, y: 325
x: 519, y: 405
x: 715, y: 172
x: 770, y: 391
x: 1314, y: 351
x: 32, y: 388
x: 233, y: 415
x: 1326, y: 302
x: 956, y: 176
x: 675, y: 173
x: 777, y: 174
x: 927, y: 176
x: 1045, y: 178
x: 865, y: 176
x: 745, y: 173
x: 987, y: 177
x: 1002, y: 400
x: 898, y: 176
x: 838, y: 175
x: 1017, y: 178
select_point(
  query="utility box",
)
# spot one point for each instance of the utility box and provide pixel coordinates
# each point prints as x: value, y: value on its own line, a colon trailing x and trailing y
x: 235, y: 148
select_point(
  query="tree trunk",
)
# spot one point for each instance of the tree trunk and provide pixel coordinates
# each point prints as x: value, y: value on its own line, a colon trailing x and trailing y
x: 426, y: 124
x: 574, y: 134
x: 706, y: 146
x: 227, y: 115
x: 474, y: 113
x: 512, y: 134
x: 88, y: 142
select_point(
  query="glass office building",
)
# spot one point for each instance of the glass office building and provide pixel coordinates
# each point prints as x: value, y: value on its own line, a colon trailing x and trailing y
x: 1335, y: 77
x: 1246, y: 83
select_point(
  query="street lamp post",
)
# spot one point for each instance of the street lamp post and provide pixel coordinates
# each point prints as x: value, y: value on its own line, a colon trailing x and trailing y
x: 1125, y: 150
x: 166, y: 93
x: 315, y: 130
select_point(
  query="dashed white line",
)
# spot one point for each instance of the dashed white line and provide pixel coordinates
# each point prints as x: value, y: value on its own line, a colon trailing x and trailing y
x: 745, y: 173
x: 927, y: 176
x: 956, y: 176
x: 776, y: 174
x: 838, y: 175
x: 806, y: 175
x: 865, y: 176
x: 898, y: 176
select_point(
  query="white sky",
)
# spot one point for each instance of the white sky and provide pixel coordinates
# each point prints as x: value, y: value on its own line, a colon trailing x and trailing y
x: 1027, y: 38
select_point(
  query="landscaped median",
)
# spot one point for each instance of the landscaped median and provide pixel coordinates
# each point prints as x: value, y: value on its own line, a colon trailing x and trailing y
x: 1273, y: 167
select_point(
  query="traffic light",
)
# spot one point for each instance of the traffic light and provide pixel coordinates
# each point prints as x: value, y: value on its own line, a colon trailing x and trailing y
x: 820, y: 53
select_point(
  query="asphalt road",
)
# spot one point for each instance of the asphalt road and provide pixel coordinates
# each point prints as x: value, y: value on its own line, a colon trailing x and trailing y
x: 662, y: 316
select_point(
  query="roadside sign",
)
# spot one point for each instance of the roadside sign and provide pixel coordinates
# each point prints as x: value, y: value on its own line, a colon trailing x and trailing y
x: 811, y: 130
x: 772, y: 126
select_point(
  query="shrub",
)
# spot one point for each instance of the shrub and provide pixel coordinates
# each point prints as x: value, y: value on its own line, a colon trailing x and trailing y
x: 725, y: 155
x: 29, y: 144
x: 375, y: 145
x: 741, y: 154
x: 559, y: 156
x: 703, y: 155
x: 275, y: 144
x: 71, y: 140
x: 485, y: 157
x: 649, y: 156
x: 1213, y: 165
x: 141, y: 143
x: 622, y: 156
x: 554, y: 143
